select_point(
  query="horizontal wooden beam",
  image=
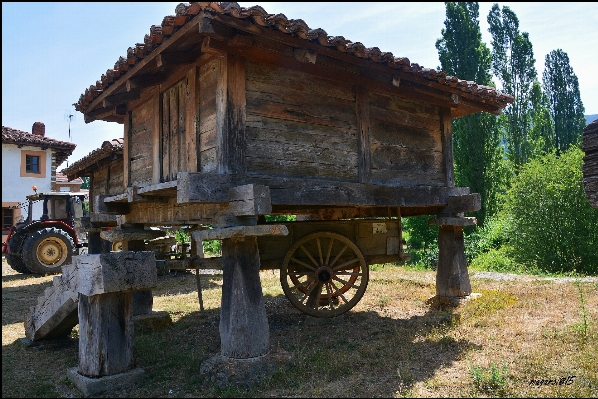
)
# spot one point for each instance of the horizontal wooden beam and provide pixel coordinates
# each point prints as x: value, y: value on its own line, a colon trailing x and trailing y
x: 143, y: 81
x: 178, y: 58
x: 122, y: 98
x: 214, y: 188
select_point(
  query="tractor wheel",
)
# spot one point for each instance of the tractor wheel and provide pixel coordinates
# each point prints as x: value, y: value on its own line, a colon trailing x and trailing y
x: 17, y: 264
x: 13, y: 258
x: 46, y: 250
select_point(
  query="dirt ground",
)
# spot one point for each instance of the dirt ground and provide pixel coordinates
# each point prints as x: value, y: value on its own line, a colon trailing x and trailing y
x: 523, y: 331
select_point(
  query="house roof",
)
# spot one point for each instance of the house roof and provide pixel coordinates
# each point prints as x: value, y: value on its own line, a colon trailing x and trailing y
x: 61, y: 178
x: 63, y: 149
x: 109, y: 150
x: 257, y: 21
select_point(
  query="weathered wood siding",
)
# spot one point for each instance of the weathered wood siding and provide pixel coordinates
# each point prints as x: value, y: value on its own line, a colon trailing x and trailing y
x: 175, y: 147
x: 169, y: 213
x: 108, y: 179
x: 299, y: 126
x: 140, y: 144
x: 209, y: 78
x: 590, y: 162
x: 406, y: 142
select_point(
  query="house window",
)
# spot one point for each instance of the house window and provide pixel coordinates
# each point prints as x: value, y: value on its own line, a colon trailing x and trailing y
x: 7, y: 218
x: 32, y: 164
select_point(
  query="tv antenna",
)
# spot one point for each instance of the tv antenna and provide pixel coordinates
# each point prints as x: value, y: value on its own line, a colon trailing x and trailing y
x: 69, y: 116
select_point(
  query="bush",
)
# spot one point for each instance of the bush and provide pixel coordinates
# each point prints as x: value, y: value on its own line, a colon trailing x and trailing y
x: 422, y: 241
x: 548, y: 219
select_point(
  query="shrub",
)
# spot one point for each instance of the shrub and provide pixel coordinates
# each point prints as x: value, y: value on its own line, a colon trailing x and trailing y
x: 549, y: 220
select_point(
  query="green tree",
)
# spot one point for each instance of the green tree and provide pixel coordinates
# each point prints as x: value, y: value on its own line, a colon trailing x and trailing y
x: 476, y: 150
x: 566, y: 108
x: 541, y: 137
x: 550, y: 222
x: 513, y: 64
x: 85, y: 185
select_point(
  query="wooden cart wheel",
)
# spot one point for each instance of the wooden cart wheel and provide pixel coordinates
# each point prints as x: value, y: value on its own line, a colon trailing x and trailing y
x: 324, y: 274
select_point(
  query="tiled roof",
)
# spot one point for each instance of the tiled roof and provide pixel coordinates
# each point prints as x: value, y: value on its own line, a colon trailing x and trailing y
x: 109, y: 149
x: 256, y: 15
x: 61, y: 178
x: 13, y: 136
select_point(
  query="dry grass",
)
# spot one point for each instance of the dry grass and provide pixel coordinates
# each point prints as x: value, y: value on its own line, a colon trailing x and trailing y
x: 390, y: 345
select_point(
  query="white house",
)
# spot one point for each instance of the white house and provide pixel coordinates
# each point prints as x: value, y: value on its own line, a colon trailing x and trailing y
x: 28, y: 159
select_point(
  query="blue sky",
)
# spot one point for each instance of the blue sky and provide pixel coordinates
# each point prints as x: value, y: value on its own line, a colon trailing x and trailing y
x: 52, y: 52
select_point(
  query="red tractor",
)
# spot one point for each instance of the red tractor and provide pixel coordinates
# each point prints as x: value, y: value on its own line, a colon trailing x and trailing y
x: 43, y: 246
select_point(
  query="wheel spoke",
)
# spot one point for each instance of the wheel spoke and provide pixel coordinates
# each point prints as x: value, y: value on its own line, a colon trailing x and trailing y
x: 346, y: 282
x: 303, y: 263
x: 314, y: 296
x: 339, y: 292
x: 329, y: 250
x: 344, y: 265
x: 298, y: 273
x: 305, y: 283
x: 320, y: 250
x: 329, y: 296
x: 309, y: 256
x: 349, y: 274
x: 338, y: 256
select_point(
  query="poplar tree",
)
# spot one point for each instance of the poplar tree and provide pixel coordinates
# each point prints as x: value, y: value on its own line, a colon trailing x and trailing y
x: 476, y: 148
x: 513, y: 64
x: 566, y: 108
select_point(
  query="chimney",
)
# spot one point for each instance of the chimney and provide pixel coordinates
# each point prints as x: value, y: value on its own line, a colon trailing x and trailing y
x: 39, y: 129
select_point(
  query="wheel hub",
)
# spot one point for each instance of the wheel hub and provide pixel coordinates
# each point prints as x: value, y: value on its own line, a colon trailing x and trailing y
x: 324, y: 274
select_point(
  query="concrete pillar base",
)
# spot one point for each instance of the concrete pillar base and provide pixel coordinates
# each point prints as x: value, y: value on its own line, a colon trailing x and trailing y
x: 107, y: 385
x: 223, y: 372
x: 154, y: 321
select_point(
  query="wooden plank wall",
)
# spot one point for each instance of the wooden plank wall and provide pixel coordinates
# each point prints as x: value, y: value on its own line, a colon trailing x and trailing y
x: 209, y: 77
x: 140, y: 144
x: 175, y: 146
x: 299, y: 126
x: 406, y: 142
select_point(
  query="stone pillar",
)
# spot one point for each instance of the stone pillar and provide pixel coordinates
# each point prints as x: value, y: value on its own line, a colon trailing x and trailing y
x: 133, y: 237
x: 244, y: 331
x: 106, y: 329
x: 452, y: 277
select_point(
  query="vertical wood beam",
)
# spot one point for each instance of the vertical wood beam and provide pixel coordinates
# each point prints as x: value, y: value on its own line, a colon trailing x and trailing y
x: 106, y: 346
x: 156, y: 140
x: 164, y: 138
x: 127, y: 150
x: 192, y: 115
x: 221, y: 128
x: 236, y: 115
x: 174, y: 131
x: 363, y: 141
x: 446, y: 128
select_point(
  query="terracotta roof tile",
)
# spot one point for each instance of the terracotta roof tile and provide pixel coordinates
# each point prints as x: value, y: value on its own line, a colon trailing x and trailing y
x: 61, y: 178
x: 296, y: 27
x: 107, y: 149
x: 13, y: 136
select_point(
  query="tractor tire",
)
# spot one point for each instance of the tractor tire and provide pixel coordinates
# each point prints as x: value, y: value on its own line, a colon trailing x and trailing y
x: 14, y: 259
x: 46, y: 250
x: 16, y: 263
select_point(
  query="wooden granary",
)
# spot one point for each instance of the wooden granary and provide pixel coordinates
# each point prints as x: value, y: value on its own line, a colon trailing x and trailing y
x: 230, y: 114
